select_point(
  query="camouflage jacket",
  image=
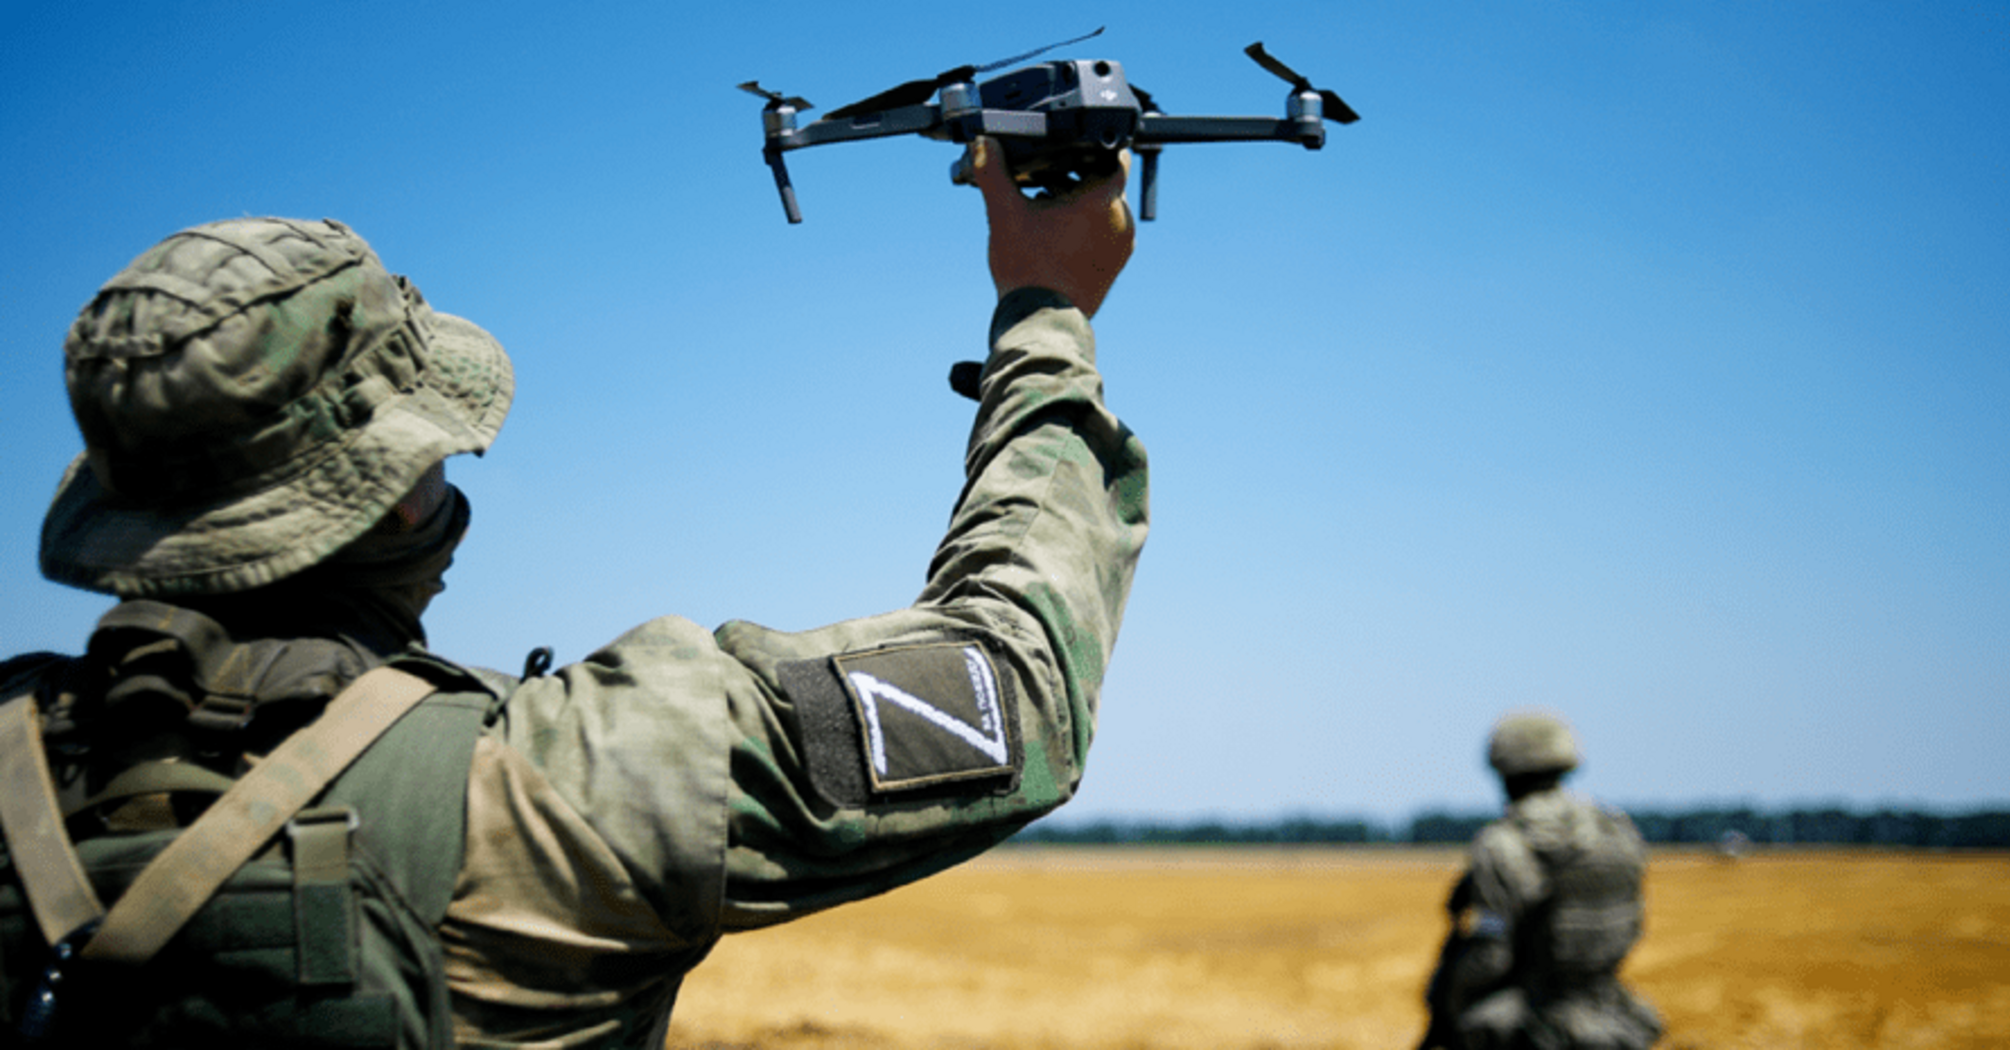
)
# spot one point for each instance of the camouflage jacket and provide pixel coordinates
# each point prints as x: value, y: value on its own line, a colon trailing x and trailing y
x: 682, y: 783
x: 626, y: 811
x: 1558, y: 881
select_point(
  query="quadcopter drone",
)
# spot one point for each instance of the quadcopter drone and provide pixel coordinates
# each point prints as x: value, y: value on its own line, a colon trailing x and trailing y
x: 1057, y: 122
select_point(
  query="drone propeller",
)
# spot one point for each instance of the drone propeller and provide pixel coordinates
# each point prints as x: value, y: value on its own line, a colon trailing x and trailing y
x: 1016, y: 59
x: 916, y: 92
x: 776, y: 99
x: 912, y: 93
x: 1334, y: 108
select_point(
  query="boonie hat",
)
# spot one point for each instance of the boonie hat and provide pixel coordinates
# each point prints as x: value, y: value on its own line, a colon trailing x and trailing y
x: 253, y: 395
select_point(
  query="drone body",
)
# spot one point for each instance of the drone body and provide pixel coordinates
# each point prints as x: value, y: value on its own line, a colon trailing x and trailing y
x: 1090, y: 112
x: 1057, y: 122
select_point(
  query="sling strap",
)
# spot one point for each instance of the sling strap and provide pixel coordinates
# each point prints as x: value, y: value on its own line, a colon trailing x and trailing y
x: 58, y: 893
x: 190, y: 870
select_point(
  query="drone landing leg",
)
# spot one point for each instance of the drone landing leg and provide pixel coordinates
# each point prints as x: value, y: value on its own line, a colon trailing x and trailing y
x: 782, y: 184
x: 1148, y: 184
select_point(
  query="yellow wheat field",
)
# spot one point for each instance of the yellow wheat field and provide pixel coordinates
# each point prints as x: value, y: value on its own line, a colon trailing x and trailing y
x: 1062, y: 949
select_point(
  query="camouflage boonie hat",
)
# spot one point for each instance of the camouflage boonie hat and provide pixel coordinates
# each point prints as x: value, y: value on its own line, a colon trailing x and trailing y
x: 1531, y: 742
x: 253, y: 395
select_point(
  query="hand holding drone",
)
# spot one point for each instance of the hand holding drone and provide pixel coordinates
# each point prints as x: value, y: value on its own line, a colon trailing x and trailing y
x: 1074, y: 243
x: 1059, y: 123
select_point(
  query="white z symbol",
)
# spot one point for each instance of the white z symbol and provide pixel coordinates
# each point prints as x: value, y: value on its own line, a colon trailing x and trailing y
x: 871, y: 691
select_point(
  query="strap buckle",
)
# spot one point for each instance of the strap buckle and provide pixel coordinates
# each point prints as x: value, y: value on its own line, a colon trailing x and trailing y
x: 303, y: 821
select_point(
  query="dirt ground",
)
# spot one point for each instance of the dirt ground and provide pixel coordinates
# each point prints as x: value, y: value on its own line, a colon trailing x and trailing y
x: 1060, y: 949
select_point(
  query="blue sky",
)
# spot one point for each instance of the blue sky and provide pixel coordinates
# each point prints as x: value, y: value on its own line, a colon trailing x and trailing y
x: 1646, y: 361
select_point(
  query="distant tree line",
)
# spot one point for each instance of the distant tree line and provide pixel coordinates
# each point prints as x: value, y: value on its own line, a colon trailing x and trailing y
x: 1983, y: 829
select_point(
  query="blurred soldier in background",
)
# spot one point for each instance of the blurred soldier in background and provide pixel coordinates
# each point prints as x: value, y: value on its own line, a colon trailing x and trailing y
x: 311, y: 830
x: 1544, y: 915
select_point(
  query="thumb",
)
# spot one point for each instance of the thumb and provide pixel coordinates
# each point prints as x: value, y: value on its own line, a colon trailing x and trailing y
x: 987, y: 170
x: 1109, y: 193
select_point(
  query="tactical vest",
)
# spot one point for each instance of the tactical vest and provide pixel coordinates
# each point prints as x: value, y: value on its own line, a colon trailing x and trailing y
x: 1592, y: 916
x: 325, y: 937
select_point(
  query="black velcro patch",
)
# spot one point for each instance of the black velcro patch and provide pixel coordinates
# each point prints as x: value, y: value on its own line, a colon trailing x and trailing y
x: 903, y: 719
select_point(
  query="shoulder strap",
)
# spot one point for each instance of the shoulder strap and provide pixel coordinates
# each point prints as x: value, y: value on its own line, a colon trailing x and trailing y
x: 58, y: 892
x: 188, y: 872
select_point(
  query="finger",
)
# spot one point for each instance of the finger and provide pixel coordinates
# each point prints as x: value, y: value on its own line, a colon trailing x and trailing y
x: 1110, y: 188
x: 987, y: 170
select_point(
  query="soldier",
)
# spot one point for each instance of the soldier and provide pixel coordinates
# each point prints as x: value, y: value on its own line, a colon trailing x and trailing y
x: 442, y: 854
x: 1544, y: 915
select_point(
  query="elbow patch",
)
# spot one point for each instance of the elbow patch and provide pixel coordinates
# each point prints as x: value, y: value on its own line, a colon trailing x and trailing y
x: 914, y: 720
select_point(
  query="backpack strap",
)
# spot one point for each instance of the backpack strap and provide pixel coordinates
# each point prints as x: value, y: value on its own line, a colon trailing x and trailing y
x: 188, y: 872
x: 58, y: 892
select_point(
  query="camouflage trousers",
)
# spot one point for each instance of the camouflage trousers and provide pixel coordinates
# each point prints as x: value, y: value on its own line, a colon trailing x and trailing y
x: 1606, y: 1017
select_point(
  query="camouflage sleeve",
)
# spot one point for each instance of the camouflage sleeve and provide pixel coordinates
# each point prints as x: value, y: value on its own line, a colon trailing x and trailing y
x: 740, y: 777
x: 1498, y: 891
x: 1507, y: 879
x: 874, y: 752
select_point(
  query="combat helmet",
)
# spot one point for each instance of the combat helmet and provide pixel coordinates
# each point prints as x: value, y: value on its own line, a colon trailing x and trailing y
x: 1525, y: 742
x: 253, y: 395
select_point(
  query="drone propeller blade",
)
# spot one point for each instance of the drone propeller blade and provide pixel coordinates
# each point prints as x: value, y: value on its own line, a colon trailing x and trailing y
x: 1336, y: 109
x: 912, y: 93
x: 1332, y: 104
x: 1016, y: 59
x: 1283, y: 72
x: 775, y: 98
x: 916, y: 92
